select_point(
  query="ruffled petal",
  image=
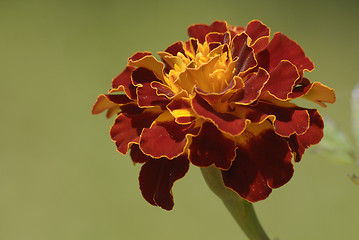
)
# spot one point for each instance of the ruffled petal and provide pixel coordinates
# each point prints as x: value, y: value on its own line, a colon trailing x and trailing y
x: 260, y: 44
x: 282, y: 80
x: 199, y: 31
x: 143, y: 75
x: 313, y: 135
x: 282, y: 48
x: 162, y: 90
x: 226, y: 122
x: 137, y: 155
x: 259, y: 34
x: 320, y: 94
x: 212, y: 147
x: 287, y: 120
x: 175, y: 48
x: 252, y: 88
x: 219, y: 26
x: 240, y: 49
x: 119, y: 99
x: 102, y: 104
x: 123, y: 82
x: 256, y: 30
x: 147, y: 96
x: 148, y: 61
x: 166, y: 138
x: 182, y: 111
x: 234, y: 30
x: 245, y: 178
x: 128, y: 127
x: 139, y: 55
x: 157, y: 177
x: 216, y: 37
x: 191, y: 47
x: 263, y: 162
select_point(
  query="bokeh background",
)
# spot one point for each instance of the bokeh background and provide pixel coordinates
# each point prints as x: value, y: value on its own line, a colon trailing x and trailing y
x: 60, y: 175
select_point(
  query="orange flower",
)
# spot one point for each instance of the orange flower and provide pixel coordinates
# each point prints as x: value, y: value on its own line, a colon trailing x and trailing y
x: 222, y: 98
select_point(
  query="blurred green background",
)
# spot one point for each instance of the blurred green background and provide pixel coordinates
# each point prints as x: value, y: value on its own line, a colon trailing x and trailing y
x: 60, y: 175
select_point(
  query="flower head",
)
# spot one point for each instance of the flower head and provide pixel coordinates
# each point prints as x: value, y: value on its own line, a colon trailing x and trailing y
x: 222, y: 98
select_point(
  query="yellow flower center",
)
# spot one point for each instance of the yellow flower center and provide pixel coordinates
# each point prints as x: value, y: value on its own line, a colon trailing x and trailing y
x: 209, y: 70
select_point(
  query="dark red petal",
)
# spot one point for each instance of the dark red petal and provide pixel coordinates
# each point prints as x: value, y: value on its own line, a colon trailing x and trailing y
x: 293, y: 121
x: 245, y: 55
x: 287, y: 120
x: 263, y: 161
x: 148, y: 97
x: 137, y: 155
x: 252, y: 88
x: 251, y: 113
x: 131, y: 109
x: 148, y: 61
x: 303, y: 88
x: 162, y: 90
x: 191, y: 45
x: 175, y: 48
x: 313, y: 135
x: 282, y: 80
x: 226, y: 122
x: 245, y: 179
x: 157, y: 177
x: 256, y: 29
x: 127, y: 128
x: 234, y: 30
x: 166, y: 139
x: 181, y: 104
x: 218, y: 37
x: 124, y: 80
x: 199, y: 31
x: 260, y: 44
x: 219, y: 26
x: 212, y: 147
x: 120, y: 99
x: 138, y: 55
x: 143, y: 75
x: 282, y: 48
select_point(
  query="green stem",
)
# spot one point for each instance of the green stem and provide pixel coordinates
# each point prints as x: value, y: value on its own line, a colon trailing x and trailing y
x: 242, y: 210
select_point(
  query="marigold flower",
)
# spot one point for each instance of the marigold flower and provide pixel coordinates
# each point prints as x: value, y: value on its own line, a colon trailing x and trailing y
x: 222, y: 98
